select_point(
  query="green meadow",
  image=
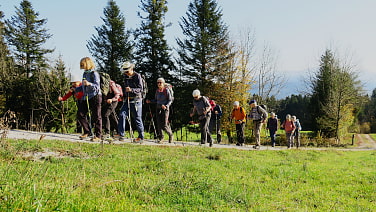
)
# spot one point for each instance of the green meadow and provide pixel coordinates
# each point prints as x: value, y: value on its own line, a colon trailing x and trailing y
x: 129, y: 177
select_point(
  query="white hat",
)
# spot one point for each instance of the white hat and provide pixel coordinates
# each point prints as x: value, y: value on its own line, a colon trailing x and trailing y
x: 196, y: 93
x: 75, y: 78
x: 236, y: 103
x: 126, y: 65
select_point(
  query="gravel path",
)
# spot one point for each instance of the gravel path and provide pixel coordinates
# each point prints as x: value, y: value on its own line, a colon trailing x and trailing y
x: 31, y: 135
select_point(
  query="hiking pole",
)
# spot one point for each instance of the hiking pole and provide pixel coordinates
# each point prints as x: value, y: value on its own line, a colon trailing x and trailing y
x: 152, y: 122
x: 89, y: 113
x: 129, y: 120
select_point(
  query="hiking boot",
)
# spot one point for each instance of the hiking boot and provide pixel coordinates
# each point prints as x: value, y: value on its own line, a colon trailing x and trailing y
x: 121, y: 138
x: 239, y: 144
x: 84, y: 136
x: 210, y: 144
x: 95, y: 139
x: 138, y: 140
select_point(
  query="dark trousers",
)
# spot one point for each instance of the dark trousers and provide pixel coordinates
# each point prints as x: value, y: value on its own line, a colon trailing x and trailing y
x: 162, y: 123
x: 109, y: 117
x: 205, y: 132
x: 215, y: 126
x: 96, y: 116
x: 272, y: 136
x: 240, y: 132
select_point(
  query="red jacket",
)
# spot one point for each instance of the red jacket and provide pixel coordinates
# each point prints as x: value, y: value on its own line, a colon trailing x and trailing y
x: 77, y: 95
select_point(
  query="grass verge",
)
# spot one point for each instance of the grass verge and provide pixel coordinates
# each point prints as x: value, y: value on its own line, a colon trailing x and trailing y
x: 130, y: 177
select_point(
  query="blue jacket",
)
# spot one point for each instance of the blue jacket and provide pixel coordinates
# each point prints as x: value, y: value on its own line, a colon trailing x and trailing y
x: 95, y: 88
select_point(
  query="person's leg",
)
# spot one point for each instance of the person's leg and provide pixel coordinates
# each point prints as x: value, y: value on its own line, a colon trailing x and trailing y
x: 272, y: 137
x: 166, y: 125
x: 136, y: 110
x: 258, y: 133
x: 123, y: 115
x: 96, y: 108
x: 159, y: 116
x: 219, y: 135
x: 113, y: 117
x: 207, y: 131
x: 242, y: 139
x: 81, y: 116
x: 107, y: 110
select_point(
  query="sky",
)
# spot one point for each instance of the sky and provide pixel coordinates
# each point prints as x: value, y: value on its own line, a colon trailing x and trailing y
x: 297, y: 31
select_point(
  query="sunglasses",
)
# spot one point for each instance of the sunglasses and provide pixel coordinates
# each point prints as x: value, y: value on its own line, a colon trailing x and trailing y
x: 159, y: 82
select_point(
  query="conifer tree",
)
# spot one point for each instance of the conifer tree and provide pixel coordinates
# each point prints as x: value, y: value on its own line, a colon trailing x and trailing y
x: 6, y: 66
x: 153, y: 55
x: 335, y: 94
x: 26, y: 35
x: 206, y: 36
x: 111, y: 46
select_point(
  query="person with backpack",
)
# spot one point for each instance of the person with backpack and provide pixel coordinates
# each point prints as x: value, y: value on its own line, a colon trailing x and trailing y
x: 289, y: 127
x: 259, y: 117
x: 272, y: 126
x: 163, y: 99
x: 110, y: 102
x: 296, y: 135
x: 92, y: 100
x: 132, y: 103
x: 215, y: 120
x: 239, y: 115
x: 202, y: 107
x: 75, y: 82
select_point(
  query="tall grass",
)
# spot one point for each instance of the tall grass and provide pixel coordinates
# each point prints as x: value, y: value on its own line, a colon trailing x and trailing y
x: 130, y: 177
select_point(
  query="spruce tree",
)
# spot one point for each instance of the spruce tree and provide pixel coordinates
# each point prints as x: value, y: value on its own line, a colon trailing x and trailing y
x: 206, y: 37
x: 111, y: 46
x: 153, y: 55
x: 335, y: 94
x: 26, y: 35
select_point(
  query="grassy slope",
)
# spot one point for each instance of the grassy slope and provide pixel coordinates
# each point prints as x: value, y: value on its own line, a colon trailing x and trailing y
x: 156, y: 178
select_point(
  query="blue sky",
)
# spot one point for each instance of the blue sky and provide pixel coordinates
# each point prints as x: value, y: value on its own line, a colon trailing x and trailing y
x: 298, y: 31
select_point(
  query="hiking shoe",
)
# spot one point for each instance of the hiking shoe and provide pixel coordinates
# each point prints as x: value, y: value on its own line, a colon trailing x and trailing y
x: 239, y: 144
x: 121, y: 138
x: 210, y: 144
x: 95, y: 139
x: 138, y: 140
x: 84, y: 136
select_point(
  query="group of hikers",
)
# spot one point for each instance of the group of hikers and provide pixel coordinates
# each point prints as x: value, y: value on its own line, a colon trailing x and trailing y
x: 100, y: 106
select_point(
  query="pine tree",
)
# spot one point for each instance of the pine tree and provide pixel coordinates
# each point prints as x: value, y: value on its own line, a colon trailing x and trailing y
x: 153, y: 54
x: 206, y: 37
x: 111, y: 46
x: 26, y: 35
x: 335, y: 94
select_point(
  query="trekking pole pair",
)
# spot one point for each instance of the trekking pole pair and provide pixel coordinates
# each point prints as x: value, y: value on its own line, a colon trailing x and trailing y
x: 152, y: 122
x: 129, y: 119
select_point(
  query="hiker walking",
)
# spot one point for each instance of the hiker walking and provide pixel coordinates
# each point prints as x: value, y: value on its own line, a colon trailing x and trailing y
x: 298, y: 128
x: 132, y: 103
x: 110, y: 102
x: 202, y: 107
x: 239, y: 115
x: 75, y: 82
x: 215, y: 120
x: 163, y: 99
x: 272, y: 126
x: 92, y: 100
x: 289, y: 127
x: 259, y: 116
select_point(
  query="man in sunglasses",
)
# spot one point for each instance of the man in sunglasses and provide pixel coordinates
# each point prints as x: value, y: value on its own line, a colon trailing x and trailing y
x: 132, y: 103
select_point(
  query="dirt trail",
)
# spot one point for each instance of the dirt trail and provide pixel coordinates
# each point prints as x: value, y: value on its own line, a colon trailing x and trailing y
x: 365, y: 141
